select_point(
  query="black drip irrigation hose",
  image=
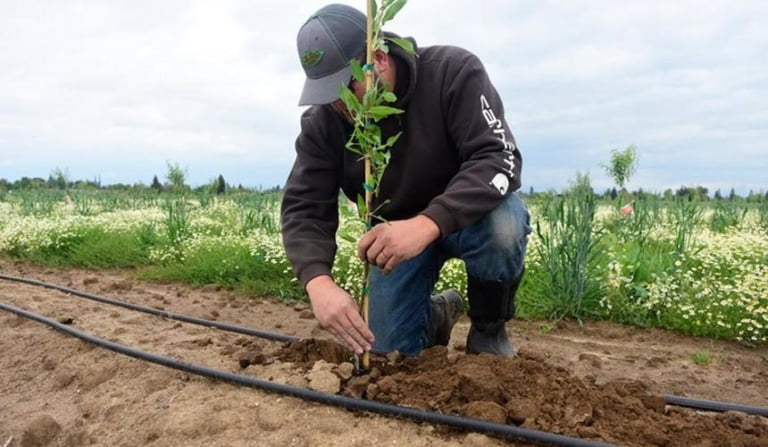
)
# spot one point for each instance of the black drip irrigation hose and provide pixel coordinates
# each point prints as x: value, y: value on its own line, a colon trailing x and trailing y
x: 711, y: 405
x: 349, y: 403
x: 151, y: 310
x: 697, y: 404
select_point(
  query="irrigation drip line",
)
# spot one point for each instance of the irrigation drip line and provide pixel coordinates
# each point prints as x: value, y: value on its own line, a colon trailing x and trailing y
x: 151, y: 310
x: 711, y: 405
x: 689, y: 402
x: 349, y: 403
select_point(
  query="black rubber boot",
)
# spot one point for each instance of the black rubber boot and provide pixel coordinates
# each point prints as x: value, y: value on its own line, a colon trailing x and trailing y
x: 446, y: 309
x: 489, y: 337
x: 491, y: 305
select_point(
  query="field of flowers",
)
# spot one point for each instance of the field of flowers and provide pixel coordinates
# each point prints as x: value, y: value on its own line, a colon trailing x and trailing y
x: 696, y: 267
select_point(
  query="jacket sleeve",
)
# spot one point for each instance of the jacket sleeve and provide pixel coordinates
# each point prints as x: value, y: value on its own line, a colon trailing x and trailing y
x: 309, y: 209
x: 490, y: 160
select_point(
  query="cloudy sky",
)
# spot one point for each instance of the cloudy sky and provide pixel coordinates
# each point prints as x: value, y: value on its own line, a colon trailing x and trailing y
x: 115, y: 89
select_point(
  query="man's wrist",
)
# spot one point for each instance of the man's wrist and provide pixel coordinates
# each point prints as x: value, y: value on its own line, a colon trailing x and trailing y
x: 319, y: 283
x: 430, y: 227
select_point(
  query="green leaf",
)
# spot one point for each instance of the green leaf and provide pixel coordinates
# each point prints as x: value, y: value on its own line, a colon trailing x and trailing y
x: 382, y: 160
x: 382, y: 45
x: 378, y: 158
x: 389, y: 97
x: 393, y: 139
x: 405, y: 44
x: 350, y: 100
x: 347, y: 237
x: 372, y: 134
x: 369, y: 99
x: 393, y: 8
x: 361, y: 208
x: 381, y: 112
x: 357, y: 70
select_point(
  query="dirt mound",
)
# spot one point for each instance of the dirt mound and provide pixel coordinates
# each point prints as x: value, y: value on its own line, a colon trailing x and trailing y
x: 529, y: 392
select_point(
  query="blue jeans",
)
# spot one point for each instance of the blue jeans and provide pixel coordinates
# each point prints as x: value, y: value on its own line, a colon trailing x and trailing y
x: 492, y: 249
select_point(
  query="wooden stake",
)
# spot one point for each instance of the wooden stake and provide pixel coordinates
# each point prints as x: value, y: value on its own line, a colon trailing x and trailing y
x: 368, y: 193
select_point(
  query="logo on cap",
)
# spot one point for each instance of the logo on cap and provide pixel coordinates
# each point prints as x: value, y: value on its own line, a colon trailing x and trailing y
x: 311, y: 58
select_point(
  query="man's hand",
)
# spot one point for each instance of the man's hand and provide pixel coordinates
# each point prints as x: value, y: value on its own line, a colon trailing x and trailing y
x: 391, y: 243
x: 339, y: 314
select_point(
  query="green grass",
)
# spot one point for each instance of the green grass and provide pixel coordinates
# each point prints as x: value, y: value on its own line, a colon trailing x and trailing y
x: 564, y: 283
x: 702, y: 358
x: 232, y: 266
x: 96, y: 249
x: 692, y: 267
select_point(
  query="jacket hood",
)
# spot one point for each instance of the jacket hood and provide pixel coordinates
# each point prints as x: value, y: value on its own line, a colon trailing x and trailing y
x: 407, y: 61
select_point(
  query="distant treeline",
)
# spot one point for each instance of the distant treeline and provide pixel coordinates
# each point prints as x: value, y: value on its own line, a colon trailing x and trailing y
x: 690, y: 193
x: 175, y: 181
x: 217, y: 186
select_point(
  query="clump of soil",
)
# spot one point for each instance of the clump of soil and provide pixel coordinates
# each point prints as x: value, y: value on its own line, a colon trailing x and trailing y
x: 41, y: 431
x: 306, y: 352
x: 529, y: 392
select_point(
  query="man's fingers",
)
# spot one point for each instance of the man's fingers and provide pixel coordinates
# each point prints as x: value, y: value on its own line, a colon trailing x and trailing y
x: 354, y: 340
x: 349, y: 342
x: 382, y: 259
x: 365, y: 244
x: 345, y: 339
x: 391, y: 264
x: 376, y: 252
x: 355, y: 335
x: 371, y: 244
x: 353, y: 343
x: 360, y: 327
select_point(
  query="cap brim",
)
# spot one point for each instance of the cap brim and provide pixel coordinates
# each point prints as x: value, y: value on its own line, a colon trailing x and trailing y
x: 326, y: 89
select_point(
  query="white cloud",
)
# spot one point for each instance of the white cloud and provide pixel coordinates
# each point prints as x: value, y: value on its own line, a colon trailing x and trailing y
x: 106, y: 86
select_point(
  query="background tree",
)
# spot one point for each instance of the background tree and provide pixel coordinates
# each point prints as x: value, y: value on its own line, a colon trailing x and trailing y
x: 684, y: 193
x: 156, y: 185
x: 697, y: 193
x: 176, y: 176
x: 623, y: 165
x: 59, y: 178
x: 26, y: 183
x: 702, y: 193
x: 221, y: 185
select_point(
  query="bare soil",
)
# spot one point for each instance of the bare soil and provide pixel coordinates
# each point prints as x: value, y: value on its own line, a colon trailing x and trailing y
x: 601, y: 381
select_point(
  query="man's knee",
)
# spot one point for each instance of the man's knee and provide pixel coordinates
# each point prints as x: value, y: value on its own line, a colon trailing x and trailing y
x: 500, y: 242
x: 509, y: 223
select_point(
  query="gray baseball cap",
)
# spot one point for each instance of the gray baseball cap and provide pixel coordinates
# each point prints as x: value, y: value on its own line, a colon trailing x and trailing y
x: 331, y: 37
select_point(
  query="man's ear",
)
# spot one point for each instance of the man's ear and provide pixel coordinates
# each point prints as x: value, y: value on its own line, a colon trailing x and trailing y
x: 382, y: 61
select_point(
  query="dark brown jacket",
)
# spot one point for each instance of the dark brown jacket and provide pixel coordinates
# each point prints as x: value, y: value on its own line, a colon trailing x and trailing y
x: 455, y: 162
